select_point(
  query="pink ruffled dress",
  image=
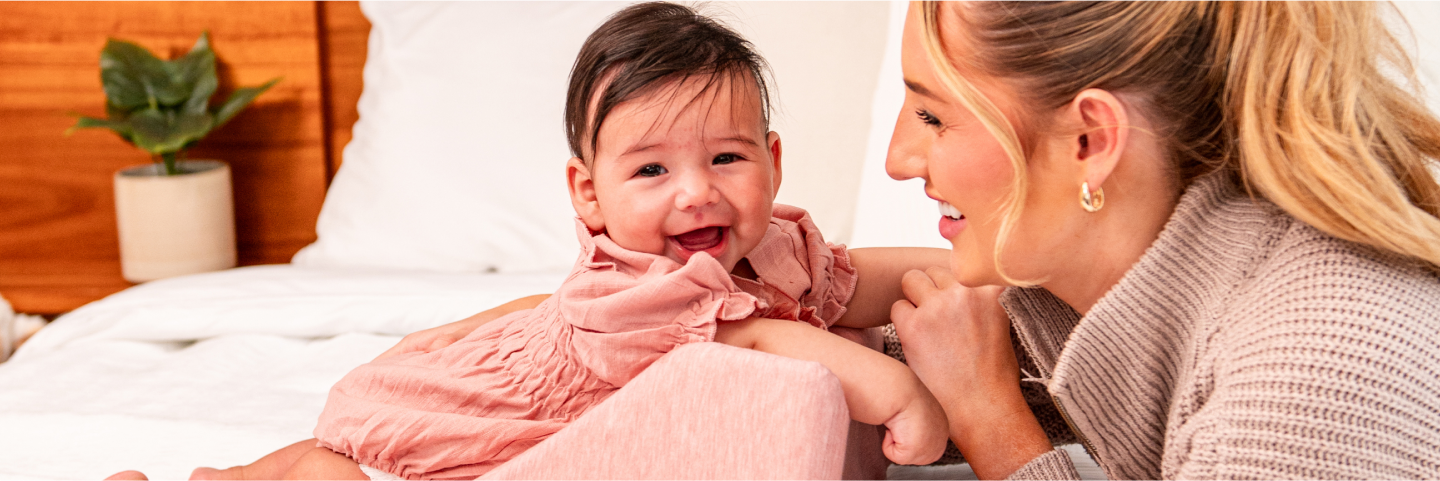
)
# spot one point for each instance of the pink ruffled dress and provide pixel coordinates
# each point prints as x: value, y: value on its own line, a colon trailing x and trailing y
x: 460, y: 411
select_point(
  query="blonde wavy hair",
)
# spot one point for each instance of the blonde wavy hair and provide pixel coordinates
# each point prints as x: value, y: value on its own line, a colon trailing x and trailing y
x: 1292, y: 98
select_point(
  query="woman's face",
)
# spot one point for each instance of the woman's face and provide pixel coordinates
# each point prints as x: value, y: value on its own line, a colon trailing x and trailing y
x: 965, y: 168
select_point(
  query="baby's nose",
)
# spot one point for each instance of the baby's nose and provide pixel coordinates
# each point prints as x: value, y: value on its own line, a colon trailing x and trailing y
x: 696, y: 190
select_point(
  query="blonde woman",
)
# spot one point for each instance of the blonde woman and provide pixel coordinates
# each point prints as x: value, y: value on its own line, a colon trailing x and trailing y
x: 1212, y: 227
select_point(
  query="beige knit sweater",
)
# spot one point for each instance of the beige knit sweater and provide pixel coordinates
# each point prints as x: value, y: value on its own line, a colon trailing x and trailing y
x: 1245, y: 344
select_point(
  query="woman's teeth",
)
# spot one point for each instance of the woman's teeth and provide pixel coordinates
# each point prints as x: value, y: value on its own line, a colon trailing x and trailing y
x: 950, y: 211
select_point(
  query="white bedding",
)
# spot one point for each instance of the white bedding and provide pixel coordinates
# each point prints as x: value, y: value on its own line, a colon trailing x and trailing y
x: 213, y: 369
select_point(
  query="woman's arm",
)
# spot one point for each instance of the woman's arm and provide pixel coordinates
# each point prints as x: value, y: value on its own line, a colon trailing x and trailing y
x: 957, y: 340
x: 441, y: 336
x: 879, y: 270
x: 878, y: 389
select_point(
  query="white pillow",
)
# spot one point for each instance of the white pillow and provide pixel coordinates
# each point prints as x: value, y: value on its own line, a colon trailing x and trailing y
x: 458, y: 159
x: 457, y: 162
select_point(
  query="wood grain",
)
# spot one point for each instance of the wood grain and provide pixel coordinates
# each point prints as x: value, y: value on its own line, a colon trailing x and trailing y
x: 344, y: 37
x: 58, y: 243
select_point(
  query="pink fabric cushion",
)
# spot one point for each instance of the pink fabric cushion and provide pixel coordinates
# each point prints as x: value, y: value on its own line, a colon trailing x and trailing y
x: 705, y: 411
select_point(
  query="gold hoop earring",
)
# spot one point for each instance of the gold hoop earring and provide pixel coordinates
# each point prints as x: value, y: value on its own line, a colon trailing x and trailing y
x: 1091, y: 201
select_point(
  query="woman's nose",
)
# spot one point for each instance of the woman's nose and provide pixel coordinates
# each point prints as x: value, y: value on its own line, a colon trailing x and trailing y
x: 904, y: 159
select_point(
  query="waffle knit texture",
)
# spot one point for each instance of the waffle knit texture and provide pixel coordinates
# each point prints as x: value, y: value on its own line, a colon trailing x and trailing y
x: 1245, y: 344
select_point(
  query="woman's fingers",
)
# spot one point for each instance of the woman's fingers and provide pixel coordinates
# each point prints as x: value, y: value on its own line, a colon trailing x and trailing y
x: 943, y: 277
x: 954, y: 337
x: 917, y: 286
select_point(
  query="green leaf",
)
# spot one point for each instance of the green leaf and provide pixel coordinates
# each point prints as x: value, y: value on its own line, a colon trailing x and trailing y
x: 150, y: 127
x: 238, y: 100
x: 116, y: 113
x: 187, y: 74
x: 196, y: 70
x: 186, y: 129
x: 120, y: 128
x: 131, y: 75
x: 162, y: 132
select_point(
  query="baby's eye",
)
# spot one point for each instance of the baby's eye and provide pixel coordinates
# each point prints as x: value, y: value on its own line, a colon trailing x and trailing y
x: 723, y: 159
x: 651, y: 170
x: 927, y: 117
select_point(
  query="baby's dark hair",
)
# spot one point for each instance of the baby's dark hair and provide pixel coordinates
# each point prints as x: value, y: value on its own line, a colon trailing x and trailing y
x: 648, y: 45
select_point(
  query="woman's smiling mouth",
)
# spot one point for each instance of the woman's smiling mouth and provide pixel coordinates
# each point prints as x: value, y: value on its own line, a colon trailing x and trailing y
x: 951, y: 220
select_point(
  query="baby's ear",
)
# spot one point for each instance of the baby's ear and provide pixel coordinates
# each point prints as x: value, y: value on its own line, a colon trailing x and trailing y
x: 582, y: 194
x: 772, y: 142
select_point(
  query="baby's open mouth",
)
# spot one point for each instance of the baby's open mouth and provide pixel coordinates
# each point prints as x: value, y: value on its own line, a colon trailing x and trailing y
x: 700, y: 239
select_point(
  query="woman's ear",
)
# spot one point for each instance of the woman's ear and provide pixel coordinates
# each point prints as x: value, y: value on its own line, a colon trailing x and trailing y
x: 1104, y: 132
x: 772, y: 140
x: 582, y: 194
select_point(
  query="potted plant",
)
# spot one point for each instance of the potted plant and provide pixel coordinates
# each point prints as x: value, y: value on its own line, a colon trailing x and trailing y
x: 175, y: 216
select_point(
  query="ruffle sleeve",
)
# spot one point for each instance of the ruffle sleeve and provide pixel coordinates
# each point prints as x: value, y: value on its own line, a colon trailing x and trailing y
x: 801, y: 276
x: 625, y: 309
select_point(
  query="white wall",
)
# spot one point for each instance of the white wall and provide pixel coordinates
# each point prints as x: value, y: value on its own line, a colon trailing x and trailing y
x: 891, y: 213
x: 826, y: 59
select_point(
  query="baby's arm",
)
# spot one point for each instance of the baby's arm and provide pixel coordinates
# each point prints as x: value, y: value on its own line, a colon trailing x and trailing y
x: 878, y: 389
x: 445, y: 335
x: 879, y: 270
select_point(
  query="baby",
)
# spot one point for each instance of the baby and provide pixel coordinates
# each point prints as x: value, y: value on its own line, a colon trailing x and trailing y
x: 673, y: 180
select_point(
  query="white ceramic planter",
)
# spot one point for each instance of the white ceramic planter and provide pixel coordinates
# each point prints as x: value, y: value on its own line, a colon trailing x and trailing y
x: 177, y: 224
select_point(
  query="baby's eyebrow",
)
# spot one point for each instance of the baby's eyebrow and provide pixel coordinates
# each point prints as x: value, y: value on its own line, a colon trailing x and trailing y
x: 640, y: 148
x: 738, y: 138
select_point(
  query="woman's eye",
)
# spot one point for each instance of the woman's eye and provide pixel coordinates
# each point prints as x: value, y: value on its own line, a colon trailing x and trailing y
x: 652, y: 170
x: 927, y: 117
x: 723, y: 159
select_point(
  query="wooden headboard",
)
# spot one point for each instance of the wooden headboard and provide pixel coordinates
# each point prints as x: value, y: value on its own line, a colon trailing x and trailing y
x: 58, y: 243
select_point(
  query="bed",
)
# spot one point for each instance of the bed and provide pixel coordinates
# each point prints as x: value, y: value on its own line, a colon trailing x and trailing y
x: 447, y: 201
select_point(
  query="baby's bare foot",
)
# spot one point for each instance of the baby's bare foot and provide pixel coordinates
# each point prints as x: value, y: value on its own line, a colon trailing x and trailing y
x: 128, y: 476
x: 212, y: 473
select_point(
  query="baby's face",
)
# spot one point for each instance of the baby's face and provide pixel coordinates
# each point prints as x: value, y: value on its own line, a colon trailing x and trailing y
x: 674, y: 177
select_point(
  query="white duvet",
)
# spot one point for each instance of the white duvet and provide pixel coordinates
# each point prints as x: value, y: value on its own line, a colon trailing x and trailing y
x: 213, y: 369
x: 219, y: 369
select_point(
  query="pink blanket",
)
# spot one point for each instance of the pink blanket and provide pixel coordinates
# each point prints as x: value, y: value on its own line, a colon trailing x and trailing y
x: 460, y: 411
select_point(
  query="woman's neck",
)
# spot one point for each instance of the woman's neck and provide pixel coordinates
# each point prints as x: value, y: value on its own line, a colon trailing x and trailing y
x: 1126, y: 228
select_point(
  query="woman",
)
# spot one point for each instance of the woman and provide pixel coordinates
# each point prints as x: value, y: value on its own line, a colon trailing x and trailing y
x: 1217, y: 229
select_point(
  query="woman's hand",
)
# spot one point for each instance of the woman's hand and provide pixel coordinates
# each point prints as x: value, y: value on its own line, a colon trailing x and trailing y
x: 957, y: 340
x: 437, y: 337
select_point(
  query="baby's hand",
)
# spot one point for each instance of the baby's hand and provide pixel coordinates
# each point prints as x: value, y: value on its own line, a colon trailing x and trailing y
x: 428, y: 340
x: 918, y: 433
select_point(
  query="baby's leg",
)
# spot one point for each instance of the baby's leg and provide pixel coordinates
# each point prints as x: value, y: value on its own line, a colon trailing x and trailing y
x: 322, y: 463
x: 272, y: 466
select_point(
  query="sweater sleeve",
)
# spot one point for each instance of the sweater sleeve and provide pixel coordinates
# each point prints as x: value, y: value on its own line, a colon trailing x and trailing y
x: 1055, y: 464
x: 1336, y: 375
